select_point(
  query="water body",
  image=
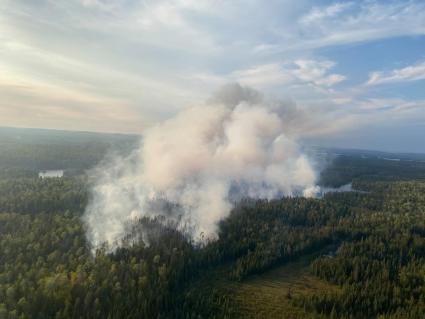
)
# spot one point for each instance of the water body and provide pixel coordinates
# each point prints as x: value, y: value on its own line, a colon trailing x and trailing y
x: 51, y: 173
x: 392, y: 159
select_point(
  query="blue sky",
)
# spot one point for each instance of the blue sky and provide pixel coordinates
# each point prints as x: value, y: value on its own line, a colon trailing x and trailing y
x: 356, y: 68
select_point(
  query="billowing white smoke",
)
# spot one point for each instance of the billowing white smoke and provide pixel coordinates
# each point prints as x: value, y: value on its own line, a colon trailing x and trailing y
x: 235, y: 145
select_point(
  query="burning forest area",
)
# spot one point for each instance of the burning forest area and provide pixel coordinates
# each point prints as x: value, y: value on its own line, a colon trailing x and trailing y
x: 203, y: 159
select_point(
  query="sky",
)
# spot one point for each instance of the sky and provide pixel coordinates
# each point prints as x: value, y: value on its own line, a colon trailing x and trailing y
x: 357, y: 68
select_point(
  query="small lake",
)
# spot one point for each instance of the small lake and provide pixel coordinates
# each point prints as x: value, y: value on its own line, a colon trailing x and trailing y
x: 51, y: 173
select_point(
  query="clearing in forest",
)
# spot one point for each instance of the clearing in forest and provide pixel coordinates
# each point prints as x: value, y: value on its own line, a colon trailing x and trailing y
x: 269, y: 295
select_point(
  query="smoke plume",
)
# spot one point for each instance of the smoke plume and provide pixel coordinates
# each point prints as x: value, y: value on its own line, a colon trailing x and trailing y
x: 194, y: 166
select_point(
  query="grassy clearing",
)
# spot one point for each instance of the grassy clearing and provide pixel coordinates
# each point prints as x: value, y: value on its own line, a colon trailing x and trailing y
x: 269, y: 295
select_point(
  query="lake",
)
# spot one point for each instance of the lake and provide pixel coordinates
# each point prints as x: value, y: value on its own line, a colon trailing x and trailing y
x: 50, y: 173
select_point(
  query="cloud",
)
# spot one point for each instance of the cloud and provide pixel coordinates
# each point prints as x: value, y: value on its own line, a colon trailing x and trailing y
x: 361, y: 21
x: 319, y: 13
x: 316, y: 72
x: 277, y: 74
x: 262, y: 75
x: 410, y: 73
x: 99, y: 4
x: 30, y: 104
x: 145, y: 60
x: 394, y: 107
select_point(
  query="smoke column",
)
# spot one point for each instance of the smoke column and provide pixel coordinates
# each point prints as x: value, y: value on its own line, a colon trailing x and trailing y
x: 236, y: 145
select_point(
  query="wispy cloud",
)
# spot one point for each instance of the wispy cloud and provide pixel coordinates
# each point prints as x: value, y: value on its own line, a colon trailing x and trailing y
x: 287, y: 73
x: 318, y: 14
x: 317, y: 72
x: 94, y: 64
x: 410, y: 73
x: 352, y: 22
x: 262, y: 75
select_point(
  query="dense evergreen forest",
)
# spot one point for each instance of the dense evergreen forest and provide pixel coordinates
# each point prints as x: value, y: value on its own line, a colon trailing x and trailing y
x: 27, y: 151
x: 362, y: 252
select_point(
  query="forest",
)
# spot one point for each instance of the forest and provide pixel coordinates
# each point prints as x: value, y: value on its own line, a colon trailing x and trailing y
x: 357, y: 254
